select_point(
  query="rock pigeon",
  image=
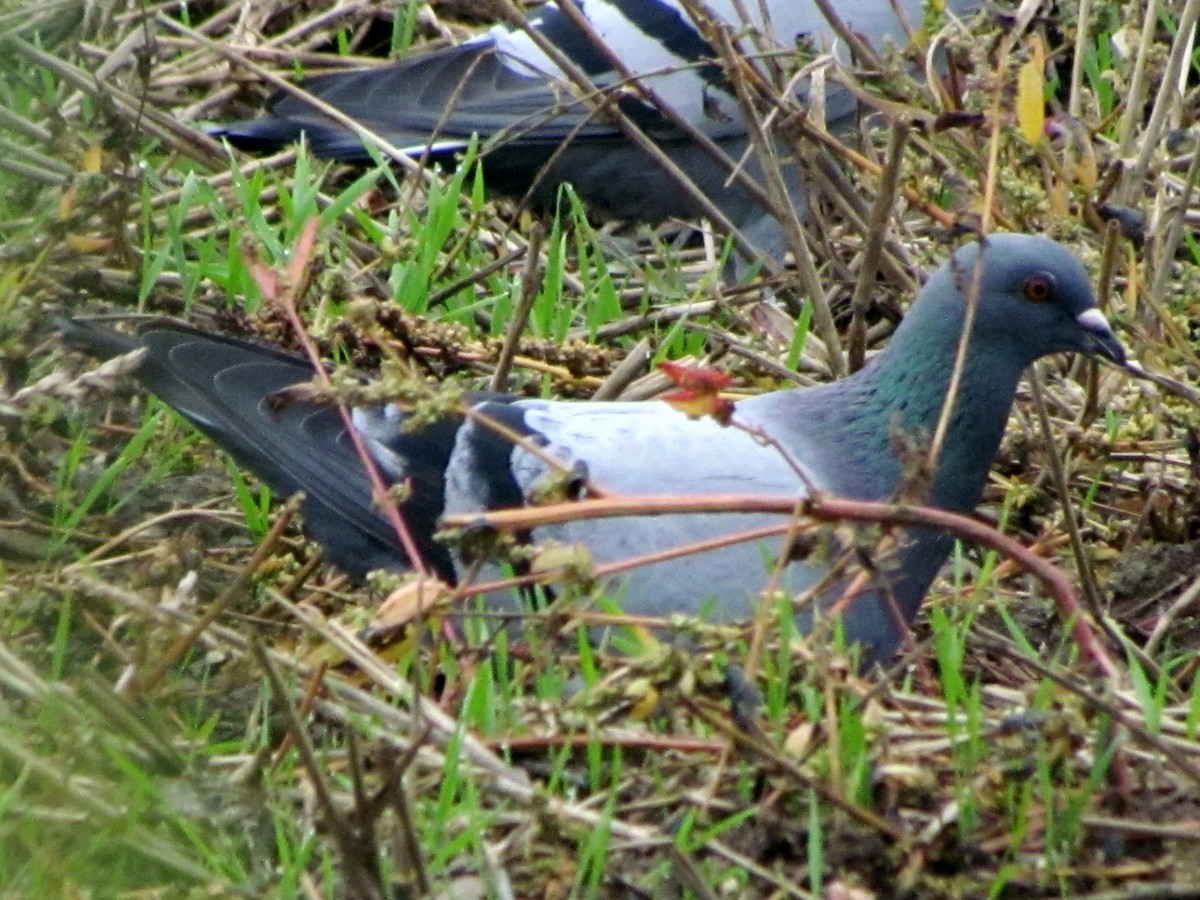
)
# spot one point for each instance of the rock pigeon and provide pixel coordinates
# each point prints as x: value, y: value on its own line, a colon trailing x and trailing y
x: 537, y: 132
x: 1033, y: 299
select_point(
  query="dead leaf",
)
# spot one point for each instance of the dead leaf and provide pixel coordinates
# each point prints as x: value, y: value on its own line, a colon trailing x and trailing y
x: 66, y: 202
x: 93, y: 159
x: 406, y: 604
x: 555, y: 557
x: 644, y: 697
x: 86, y: 243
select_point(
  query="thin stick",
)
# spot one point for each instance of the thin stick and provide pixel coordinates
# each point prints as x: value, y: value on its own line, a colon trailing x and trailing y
x: 233, y: 591
x: 516, y: 327
x: 885, y: 200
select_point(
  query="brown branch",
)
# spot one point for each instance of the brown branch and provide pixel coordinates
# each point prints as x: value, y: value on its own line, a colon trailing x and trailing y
x: 822, y: 508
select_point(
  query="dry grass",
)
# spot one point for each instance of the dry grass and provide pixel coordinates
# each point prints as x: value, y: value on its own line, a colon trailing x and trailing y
x: 278, y: 748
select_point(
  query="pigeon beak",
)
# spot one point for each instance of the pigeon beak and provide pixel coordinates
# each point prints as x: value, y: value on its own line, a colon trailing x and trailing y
x: 1099, y: 337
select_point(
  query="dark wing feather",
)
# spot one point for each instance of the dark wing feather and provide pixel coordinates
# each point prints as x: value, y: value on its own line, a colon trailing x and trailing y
x: 437, y: 100
x: 230, y: 390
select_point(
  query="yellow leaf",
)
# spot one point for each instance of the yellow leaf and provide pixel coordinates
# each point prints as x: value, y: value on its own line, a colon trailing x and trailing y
x: 644, y: 697
x: 1058, y: 200
x: 93, y: 158
x: 324, y: 655
x: 798, y: 741
x: 1038, y: 48
x: 1031, y: 115
x: 1085, y: 170
x: 66, y: 202
x: 86, y: 243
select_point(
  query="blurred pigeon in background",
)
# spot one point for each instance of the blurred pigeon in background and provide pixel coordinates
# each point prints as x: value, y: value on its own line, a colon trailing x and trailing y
x: 538, y: 132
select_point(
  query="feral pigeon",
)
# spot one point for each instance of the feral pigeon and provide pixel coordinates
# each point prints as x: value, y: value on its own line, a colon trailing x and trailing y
x: 537, y: 132
x: 842, y: 438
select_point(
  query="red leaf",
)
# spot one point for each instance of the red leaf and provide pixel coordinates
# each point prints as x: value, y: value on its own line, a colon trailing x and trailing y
x: 696, y: 377
x: 699, y: 391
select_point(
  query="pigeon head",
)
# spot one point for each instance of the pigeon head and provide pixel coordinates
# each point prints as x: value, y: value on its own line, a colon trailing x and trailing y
x: 1035, y: 298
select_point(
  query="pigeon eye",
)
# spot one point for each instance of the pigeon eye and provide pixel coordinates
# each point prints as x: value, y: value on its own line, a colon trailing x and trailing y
x: 1038, y: 288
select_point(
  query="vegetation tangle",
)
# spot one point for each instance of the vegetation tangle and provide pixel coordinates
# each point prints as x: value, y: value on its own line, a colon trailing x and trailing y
x: 194, y: 703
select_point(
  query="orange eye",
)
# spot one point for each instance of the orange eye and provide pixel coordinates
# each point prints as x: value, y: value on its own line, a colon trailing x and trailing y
x: 1038, y: 288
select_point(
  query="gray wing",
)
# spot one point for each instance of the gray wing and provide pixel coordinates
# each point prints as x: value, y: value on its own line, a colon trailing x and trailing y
x: 236, y: 393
